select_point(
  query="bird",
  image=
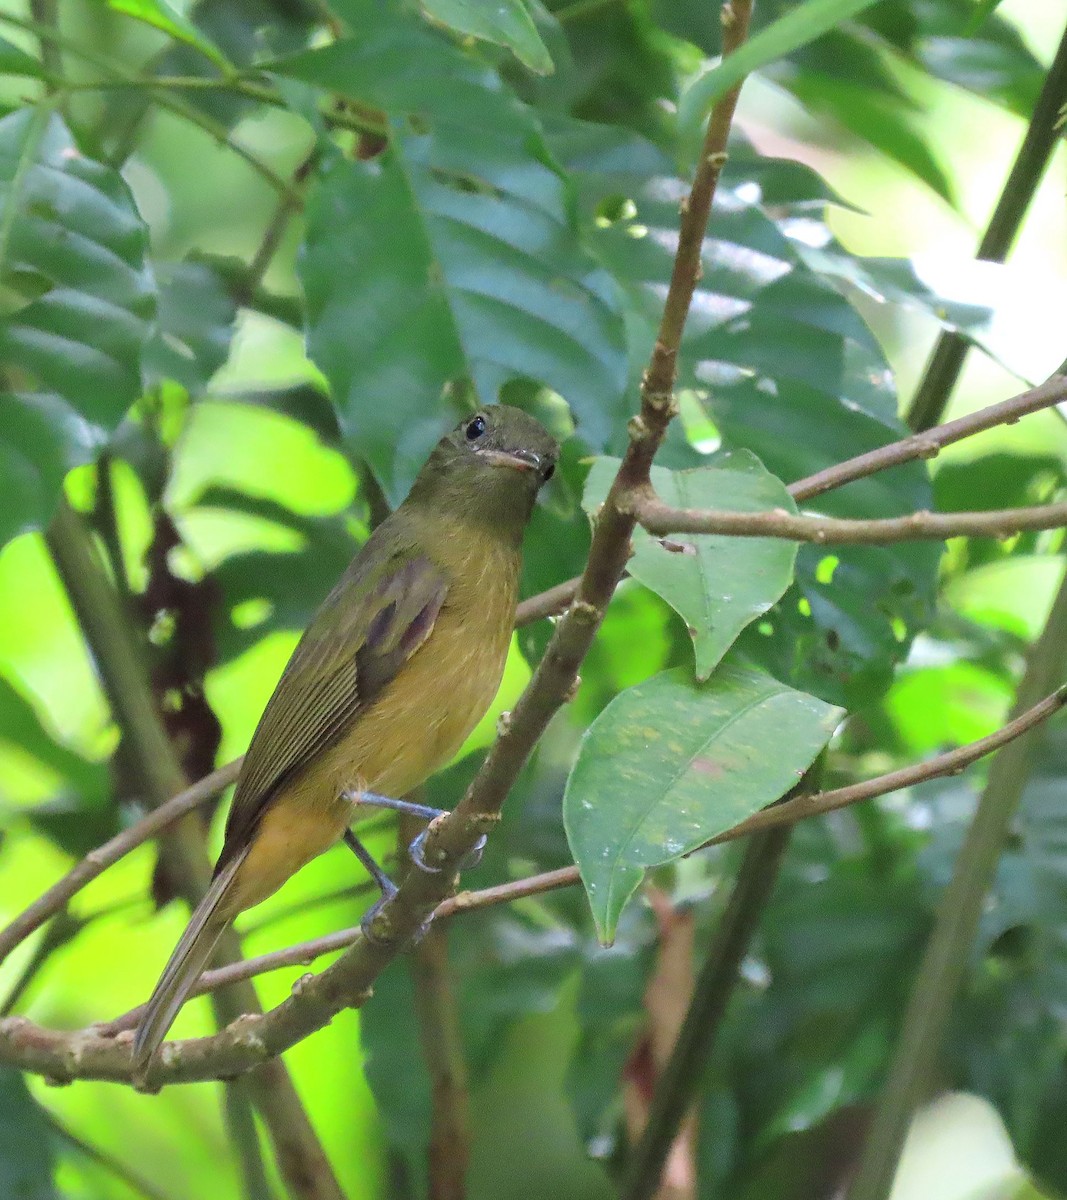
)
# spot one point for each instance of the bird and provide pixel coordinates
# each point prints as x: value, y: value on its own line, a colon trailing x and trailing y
x: 395, y: 669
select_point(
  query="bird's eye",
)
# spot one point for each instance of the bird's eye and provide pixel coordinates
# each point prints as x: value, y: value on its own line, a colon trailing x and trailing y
x: 476, y: 428
x: 549, y: 471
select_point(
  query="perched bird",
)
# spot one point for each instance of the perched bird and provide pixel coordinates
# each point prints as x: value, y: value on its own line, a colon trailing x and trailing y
x: 398, y: 665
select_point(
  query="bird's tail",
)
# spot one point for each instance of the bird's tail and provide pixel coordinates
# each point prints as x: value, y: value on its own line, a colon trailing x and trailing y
x: 184, y: 967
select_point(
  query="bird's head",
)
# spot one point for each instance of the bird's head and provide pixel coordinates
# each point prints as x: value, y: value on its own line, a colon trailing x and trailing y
x: 489, y: 468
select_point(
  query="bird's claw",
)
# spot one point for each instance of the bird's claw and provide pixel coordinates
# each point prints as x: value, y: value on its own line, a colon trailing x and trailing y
x: 366, y: 923
x: 471, y: 859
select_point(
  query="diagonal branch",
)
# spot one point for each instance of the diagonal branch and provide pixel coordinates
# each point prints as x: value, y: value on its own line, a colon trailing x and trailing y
x: 946, y: 361
x: 26, y: 1045
x: 315, y: 1000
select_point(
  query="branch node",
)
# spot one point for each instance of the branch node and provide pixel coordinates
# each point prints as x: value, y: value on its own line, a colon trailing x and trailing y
x: 637, y: 428
x: 583, y: 611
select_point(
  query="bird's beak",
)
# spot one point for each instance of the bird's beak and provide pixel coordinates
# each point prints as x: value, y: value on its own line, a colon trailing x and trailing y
x: 517, y: 460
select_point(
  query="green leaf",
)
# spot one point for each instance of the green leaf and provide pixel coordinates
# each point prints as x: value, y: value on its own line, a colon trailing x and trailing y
x: 78, y: 303
x: 192, y: 338
x: 451, y: 262
x: 784, y: 366
x: 504, y: 22
x: 27, y: 1159
x: 717, y: 585
x: 799, y: 26
x: 671, y: 763
x: 15, y: 61
x: 160, y: 15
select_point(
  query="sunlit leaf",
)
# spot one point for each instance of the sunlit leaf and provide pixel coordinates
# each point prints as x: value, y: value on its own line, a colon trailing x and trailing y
x: 718, y: 585
x: 671, y: 763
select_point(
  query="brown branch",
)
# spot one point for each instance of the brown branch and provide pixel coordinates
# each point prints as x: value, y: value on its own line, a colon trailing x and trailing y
x: 929, y: 444
x: 950, y: 763
x: 801, y: 808
x: 442, y: 1046
x: 661, y: 519
x: 97, y: 1053
x: 916, y: 446
x: 255, y: 1039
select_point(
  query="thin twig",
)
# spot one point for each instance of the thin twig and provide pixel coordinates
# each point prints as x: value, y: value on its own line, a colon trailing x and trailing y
x: 92, y: 1053
x: 661, y: 519
x: 120, y: 73
x: 929, y: 444
x: 916, y: 446
x: 950, y: 948
x: 97, y: 861
x: 789, y: 812
x: 1042, y: 135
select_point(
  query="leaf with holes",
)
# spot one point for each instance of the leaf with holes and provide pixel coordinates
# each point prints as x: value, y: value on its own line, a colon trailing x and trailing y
x: 717, y: 585
x: 504, y: 22
x: 450, y: 262
x: 671, y: 763
x: 79, y: 303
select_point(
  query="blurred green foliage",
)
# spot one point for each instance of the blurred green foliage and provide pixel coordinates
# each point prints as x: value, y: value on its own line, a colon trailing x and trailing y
x: 254, y: 258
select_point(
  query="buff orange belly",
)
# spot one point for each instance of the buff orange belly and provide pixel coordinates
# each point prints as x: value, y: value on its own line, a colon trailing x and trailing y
x: 414, y: 727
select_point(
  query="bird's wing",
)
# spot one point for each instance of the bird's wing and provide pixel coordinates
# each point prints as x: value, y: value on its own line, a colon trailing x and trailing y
x: 368, y: 627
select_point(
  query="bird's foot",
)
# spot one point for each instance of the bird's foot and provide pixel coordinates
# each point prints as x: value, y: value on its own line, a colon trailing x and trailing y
x: 471, y: 859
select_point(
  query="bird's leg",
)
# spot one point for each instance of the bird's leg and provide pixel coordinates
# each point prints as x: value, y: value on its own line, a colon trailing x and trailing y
x: 423, y: 812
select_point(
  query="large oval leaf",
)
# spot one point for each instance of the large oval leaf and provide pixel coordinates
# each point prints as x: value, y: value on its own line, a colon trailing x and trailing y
x: 671, y: 763
x: 78, y: 304
x: 449, y: 259
x: 718, y: 585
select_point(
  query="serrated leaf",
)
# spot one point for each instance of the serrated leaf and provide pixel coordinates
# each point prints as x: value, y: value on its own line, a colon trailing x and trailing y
x: 671, y: 763
x: 799, y: 26
x: 160, y: 15
x: 717, y: 585
x: 79, y: 301
x: 27, y: 1156
x: 448, y: 259
x: 503, y: 22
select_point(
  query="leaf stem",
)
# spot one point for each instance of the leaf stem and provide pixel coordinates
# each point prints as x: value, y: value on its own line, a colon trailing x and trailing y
x: 946, y: 361
x: 949, y: 950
